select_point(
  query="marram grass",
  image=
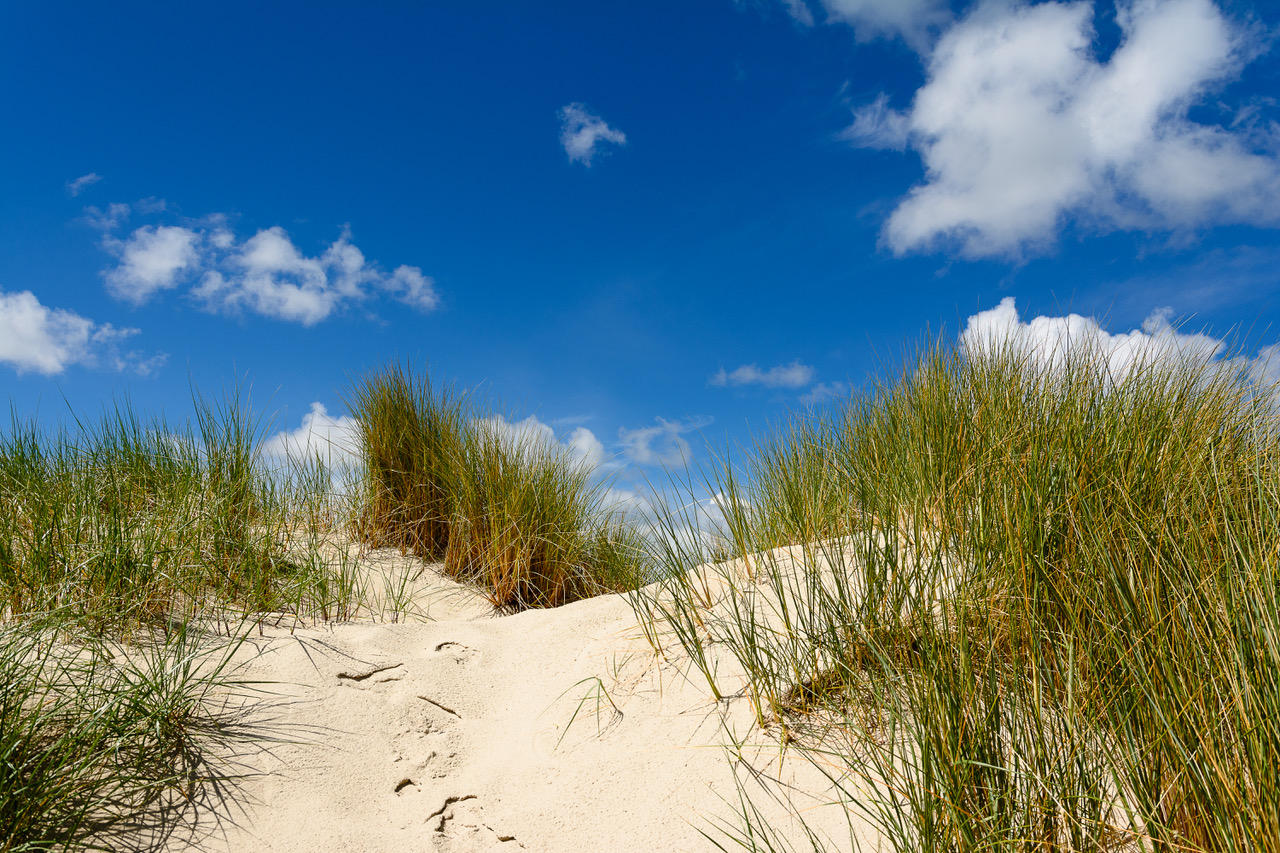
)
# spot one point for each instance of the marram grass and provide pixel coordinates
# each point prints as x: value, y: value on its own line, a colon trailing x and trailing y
x: 1043, y: 604
x: 514, y: 514
x: 128, y: 522
x: 99, y: 744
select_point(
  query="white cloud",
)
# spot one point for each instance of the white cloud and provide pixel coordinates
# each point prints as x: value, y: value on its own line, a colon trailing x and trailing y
x: 82, y: 183
x: 336, y: 440
x: 266, y: 274
x: 49, y: 340
x: 623, y: 500
x: 580, y: 132
x: 1020, y: 127
x: 793, y: 375
x: 583, y: 444
x: 663, y: 444
x: 532, y: 436
x: 151, y: 259
x: 1048, y: 342
x: 912, y: 20
x: 411, y: 287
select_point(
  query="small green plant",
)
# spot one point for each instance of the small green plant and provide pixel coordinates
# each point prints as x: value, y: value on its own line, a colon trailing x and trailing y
x: 98, y: 743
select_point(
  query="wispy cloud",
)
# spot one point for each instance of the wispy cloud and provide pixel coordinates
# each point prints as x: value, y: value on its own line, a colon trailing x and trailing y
x: 877, y: 125
x: 913, y: 21
x: 1021, y: 128
x: 663, y: 444
x: 799, y: 12
x: 82, y: 183
x: 793, y: 375
x: 46, y: 340
x: 265, y: 274
x: 581, y: 132
x: 824, y: 391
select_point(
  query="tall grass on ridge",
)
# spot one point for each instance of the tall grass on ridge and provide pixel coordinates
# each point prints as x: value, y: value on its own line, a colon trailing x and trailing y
x: 129, y: 522
x: 510, y: 512
x: 1042, y: 601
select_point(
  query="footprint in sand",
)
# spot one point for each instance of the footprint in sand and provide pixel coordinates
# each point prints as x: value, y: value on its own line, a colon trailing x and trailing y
x: 423, y: 743
x: 368, y: 675
x: 459, y: 827
x: 460, y: 653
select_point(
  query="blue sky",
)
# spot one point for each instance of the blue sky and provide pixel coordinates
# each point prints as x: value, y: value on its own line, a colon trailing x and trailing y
x: 645, y: 224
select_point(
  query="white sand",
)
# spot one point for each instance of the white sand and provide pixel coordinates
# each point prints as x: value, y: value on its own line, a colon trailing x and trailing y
x: 460, y: 734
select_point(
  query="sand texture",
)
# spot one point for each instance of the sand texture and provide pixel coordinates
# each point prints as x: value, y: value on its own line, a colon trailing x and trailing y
x: 548, y: 730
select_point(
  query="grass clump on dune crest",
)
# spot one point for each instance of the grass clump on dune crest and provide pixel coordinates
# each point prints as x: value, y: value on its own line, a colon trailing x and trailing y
x: 411, y: 436
x: 132, y: 522
x: 507, y: 509
x: 1043, y: 600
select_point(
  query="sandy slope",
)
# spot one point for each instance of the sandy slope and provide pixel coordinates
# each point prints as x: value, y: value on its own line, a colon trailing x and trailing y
x: 552, y: 730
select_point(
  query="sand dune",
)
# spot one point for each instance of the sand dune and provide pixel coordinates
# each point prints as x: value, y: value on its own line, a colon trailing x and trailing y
x: 551, y: 730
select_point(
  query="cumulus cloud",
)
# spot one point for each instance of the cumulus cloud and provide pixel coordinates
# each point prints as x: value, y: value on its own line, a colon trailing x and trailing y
x: 335, y: 440
x: 627, y: 501
x: 663, y: 444
x: 265, y: 274
x: 1021, y: 127
x: 82, y: 183
x: 581, y: 132
x: 584, y: 445
x: 151, y: 259
x: 533, y: 436
x: 1049, y: 342
x: 910, y: 20
x: 46, y: 340
x: 793, y: 375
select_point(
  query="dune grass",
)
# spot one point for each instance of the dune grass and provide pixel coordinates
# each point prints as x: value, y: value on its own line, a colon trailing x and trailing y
x: 511, y: 512
x: 126, y: 522
x: 1037, y: 607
